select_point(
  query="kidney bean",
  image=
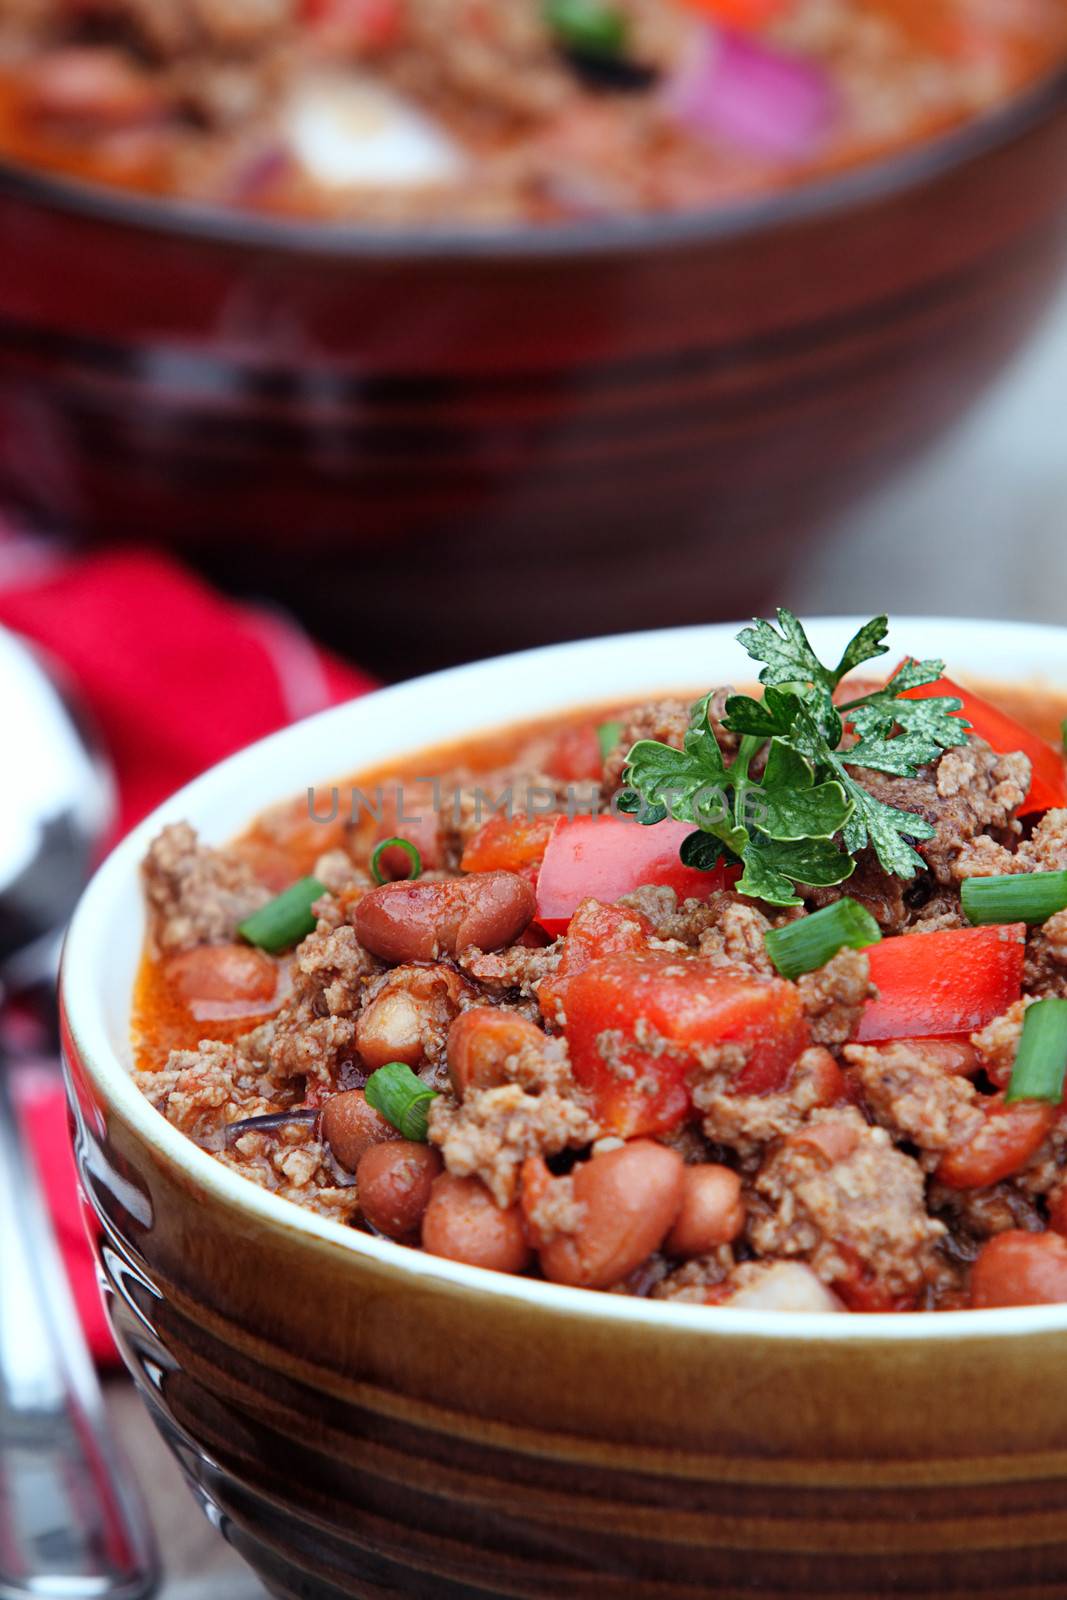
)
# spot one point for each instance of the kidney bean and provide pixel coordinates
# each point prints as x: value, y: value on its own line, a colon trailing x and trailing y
x: 423, y: 921
x: 1012, y: 1134
x: 394, y: 1182
x: 632, y: 1197
x: 480, y: 1043
x: 224, y: 972
x: 832, y: 1140
x: 712, y: 1213
x: 351, y: 1126
x: 1020, y: 1269
x: 464, y: 1223
x: 409, y: 1015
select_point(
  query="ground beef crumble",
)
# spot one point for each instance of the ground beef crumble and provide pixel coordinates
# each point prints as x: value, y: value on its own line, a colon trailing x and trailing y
x: 745, y: 1124
x: 835, y: 995
x: 493, y: 1131
x: 196, y: 894
x: 913, y: 1097
x: 866, y: 1211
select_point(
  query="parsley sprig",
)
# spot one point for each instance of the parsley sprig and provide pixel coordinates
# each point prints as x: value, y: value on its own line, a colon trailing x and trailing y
x: 804, y: 818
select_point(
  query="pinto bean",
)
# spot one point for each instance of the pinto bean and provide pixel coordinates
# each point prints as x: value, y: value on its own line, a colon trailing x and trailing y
x: 631, y: 1199
x: 464, y: 1223
x: 784, y: 1286
x: 712, y: 1213
x: 423, y: 921
x: 408, y: 1019
x: 350, y: 1126
x: 394, y: 1182
x: 480, y: 1043
x: 225, y: 972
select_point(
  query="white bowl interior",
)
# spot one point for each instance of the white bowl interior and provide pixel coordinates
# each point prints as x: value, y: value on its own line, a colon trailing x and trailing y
x: 105, y: 938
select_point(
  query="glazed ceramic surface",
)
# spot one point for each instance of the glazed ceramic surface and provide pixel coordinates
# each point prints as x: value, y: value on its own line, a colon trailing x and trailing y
x: 364, y: 1420
x: 513, y: 416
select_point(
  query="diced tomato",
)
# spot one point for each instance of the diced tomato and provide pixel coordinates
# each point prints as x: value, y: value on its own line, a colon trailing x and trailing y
x: 1048, y: 784
x: 594, y: 931
x: 637, y: 1024
x: 862, y: 1290
x: 576, y: 754
x: 510, y: 844
x: 1010, y: 1137
x: 952, y: 981
x: 607, y: 857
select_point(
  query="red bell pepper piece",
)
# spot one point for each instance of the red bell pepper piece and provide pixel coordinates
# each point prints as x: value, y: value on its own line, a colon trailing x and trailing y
x: 952, y: 981
x: 1048, y: 784
x: 637, y: 1025
x: 606, y: 857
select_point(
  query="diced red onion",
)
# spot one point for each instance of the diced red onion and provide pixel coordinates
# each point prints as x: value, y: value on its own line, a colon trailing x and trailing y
x: 735, y: 87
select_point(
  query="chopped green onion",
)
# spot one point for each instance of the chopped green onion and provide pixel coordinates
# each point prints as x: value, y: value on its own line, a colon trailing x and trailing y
x: 587, y: 27
x: 402, y: 1098
x: 286, y: 920
x: 807, y: 944
x: 1017, y: 897
x: 609, y: 734
x: 1063, y: 736
x: 391, y: 844
x: 1041, y: 1062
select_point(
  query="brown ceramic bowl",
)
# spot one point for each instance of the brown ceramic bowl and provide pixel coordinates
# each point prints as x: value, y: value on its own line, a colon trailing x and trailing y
x: 568, y: 431
x: 364, y: 1420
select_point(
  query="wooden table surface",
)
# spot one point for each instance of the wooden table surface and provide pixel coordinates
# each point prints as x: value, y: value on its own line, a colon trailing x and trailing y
x: 978, y: 527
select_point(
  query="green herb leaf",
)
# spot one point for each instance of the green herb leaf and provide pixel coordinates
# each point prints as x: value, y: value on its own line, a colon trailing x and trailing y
x: 912, y: 674
x: 787, y: 655
x: 814, y: 813
x: 702, y: 851
x: 886, y: 830
x: 401, y: 1098
x: 774, y: 714
x: 787, y: 825
x: 864, y: 645
x: 773, y: 870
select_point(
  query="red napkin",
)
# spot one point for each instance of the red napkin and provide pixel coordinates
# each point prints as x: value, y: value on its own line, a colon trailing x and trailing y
x: 177, y: 678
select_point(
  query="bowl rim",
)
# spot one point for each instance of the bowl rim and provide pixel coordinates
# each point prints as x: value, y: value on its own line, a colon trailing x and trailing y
x: 880, y: 179
x: 86, y: 951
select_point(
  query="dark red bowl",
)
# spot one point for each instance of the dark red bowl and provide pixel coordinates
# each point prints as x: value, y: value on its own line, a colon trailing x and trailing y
x: 458, y: 443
